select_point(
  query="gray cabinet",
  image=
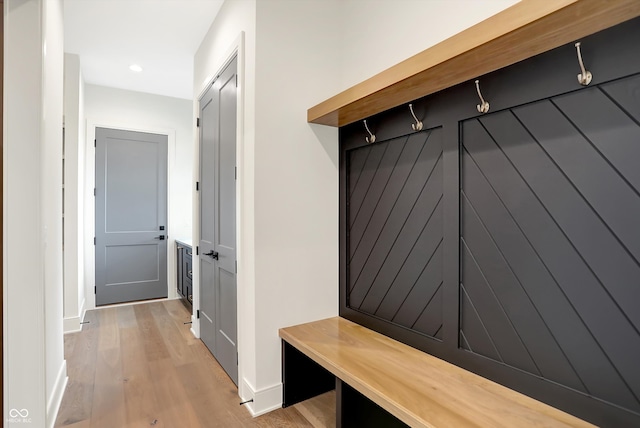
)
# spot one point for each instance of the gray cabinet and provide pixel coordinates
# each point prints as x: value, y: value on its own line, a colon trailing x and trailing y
x: 184, y: 271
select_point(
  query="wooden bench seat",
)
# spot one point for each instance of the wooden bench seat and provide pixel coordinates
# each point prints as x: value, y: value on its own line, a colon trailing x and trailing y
x: 417, y: 388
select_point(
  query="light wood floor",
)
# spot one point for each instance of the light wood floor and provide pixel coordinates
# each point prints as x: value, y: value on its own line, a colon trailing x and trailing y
x: 140, y: 366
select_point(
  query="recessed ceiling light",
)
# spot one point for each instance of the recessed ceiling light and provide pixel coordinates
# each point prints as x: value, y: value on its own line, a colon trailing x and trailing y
x: 135, y: 67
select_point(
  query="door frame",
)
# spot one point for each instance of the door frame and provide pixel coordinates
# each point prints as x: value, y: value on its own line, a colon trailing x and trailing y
x: 2, y: 298
x: 90, y: 205
x: 244, y: 250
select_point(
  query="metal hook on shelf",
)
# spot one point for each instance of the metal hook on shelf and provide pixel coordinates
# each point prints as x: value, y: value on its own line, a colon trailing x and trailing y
x: 483, y: 107
x: 371, y: 138
x: 418, y: 125
x: 585, y: 77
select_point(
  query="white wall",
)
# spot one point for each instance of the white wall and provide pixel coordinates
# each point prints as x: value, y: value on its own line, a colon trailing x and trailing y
x: 123, y: 109
x: 287, y: 177
x: 83, y: 189
x: 35, y: 370
x: 299, y: 53
x: 51, y: 203
x: 74, y: 152
x: 381, y: 33
x: 296, y: 175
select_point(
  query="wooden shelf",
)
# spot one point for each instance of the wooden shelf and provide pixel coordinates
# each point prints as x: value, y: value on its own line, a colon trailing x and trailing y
x: 526, y: 29
x: 417, y: 388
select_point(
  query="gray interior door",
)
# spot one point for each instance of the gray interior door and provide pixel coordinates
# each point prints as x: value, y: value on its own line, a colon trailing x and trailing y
x: 131, y: 216
x: 218, y: 306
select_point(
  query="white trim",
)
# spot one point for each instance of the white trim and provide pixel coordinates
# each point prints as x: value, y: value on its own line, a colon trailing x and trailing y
x: 82, y: 311
x: 53, y: 406
x: 236, y: 48
x: 5, y: 283
x: 139, y: 302
x: 239, y: 46
x: 72, y: 325
x: 92, y: 124
x: 246, y: 393
x: 264, y: 400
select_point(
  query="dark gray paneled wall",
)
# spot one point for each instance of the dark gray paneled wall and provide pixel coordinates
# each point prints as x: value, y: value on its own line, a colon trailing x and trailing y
x: 508, y: 243
x: 549, y: 241
x: 392, y: 186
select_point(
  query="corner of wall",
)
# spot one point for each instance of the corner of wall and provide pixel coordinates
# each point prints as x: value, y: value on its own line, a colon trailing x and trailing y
x: 265, y: 400
x: 53, y: 405
x: 74, y: 324
x: 83, y: 310
x: 71, y: 325
x: 307, y: 231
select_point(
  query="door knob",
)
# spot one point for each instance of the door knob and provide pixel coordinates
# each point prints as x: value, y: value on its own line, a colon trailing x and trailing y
x: 212, y: 254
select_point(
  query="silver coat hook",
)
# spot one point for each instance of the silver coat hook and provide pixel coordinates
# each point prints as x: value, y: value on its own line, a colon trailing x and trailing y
x: 585, y: 77
x: 371, y: 138
x: 418, y: 125
x: 483, y: 107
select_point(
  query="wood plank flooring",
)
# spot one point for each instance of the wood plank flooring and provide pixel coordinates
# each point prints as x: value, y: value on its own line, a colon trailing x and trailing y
x: 140, y: 366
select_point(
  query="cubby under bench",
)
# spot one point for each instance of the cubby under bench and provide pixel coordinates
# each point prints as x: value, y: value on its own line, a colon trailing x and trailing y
x: 381, y: 382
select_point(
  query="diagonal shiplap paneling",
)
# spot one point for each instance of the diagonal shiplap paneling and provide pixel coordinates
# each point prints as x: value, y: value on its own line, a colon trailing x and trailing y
x: 395, y: 231
x: 550, y: 243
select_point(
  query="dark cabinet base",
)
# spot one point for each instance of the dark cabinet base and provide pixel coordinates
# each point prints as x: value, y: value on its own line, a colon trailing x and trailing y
x: 303, y: 378
x: 184, y: 272
x: 355, y: 410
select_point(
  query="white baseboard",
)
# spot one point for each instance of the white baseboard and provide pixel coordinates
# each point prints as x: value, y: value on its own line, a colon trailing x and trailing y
x: 82, y: 311
x: 53, y: 405
x: 264, y: 400
x: 195, y: 326
x: 74, y: 324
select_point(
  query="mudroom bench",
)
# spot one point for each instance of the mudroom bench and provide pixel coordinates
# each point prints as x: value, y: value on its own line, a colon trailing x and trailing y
x: 381, y: 382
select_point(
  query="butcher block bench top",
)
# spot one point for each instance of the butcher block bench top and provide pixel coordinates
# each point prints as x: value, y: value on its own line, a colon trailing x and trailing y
x: 417, y: 388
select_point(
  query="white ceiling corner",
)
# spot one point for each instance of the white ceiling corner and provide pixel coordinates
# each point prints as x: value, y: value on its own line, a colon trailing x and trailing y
x: 161, y: 36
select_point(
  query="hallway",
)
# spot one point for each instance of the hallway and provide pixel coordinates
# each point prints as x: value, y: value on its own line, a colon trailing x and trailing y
x: 140, y: 366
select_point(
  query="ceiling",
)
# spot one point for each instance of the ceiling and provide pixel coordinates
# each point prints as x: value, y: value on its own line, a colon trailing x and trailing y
x: 161, y: 36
